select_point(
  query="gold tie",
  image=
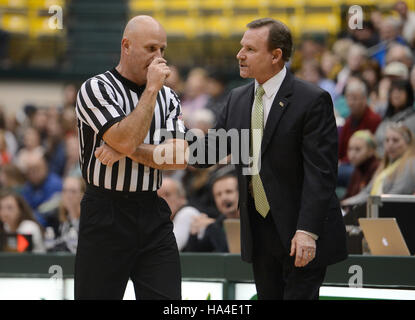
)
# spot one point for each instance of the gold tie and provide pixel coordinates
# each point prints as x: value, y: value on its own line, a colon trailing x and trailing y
x: 257, y: 128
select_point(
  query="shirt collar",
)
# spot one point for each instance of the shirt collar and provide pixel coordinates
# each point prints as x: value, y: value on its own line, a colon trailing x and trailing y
x: 272, y: 85
x: 128, y: 83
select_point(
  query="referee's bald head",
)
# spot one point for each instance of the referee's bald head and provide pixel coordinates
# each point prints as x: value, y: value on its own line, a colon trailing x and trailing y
x: 144, y: 39
x: 138, y: 24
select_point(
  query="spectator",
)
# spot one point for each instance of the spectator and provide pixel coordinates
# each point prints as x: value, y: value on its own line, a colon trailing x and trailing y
x: 72, y: 167
x: 356, y: 57
x: 400, y: 109
x: 396, y: 172
x: 203, y: 119
x: 207, y: 234
x: 55, y: 146
x: 362, y: 156
x: 5, y: 156
x: 42, y: 189
x: 390, y: 29
x: 16, y: 217
x: 11, y: 177
x: 361, y: 117
x: 309, y: 50
x: 39, y: 121
x: 69, y: 121
x: 175, y: 82
x: 400, y: 53
x: 173, y: 193
x: 11, y: 140
x: 366, y: 36
x: 31, y: 145
x: 312, y: 72
x: 69, y: 212
x: 216, y: 89
x: 195, y: 96
x: 371, y: 74
x: 330, y: 65
x: 69, y: 95
x: 396, y: 71
x: 380, y: 103
x: 407, y: 21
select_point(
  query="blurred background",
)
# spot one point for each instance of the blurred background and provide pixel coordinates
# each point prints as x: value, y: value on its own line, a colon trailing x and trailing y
x: 49, y: 47
x: 200, y: 33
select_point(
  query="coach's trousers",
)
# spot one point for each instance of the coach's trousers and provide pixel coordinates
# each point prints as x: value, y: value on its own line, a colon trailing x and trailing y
x: 126, y: 236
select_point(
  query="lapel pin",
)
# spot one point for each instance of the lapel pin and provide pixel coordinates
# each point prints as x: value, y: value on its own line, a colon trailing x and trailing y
x: 281, y: 104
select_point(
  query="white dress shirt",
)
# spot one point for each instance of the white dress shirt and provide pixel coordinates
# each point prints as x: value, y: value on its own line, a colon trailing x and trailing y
x: 271, y: 87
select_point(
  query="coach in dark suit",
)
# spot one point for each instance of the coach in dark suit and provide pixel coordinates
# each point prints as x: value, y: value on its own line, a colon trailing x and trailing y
x: 291, y: 223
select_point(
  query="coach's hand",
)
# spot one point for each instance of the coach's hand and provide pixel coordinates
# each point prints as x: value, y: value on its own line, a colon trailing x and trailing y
x: 304, y: 248
x: 157, y: 73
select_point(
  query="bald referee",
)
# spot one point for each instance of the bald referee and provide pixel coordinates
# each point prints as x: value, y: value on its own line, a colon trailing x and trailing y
x: 125, y: 230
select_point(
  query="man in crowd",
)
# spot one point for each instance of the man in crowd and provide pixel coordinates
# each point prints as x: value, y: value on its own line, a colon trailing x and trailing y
x: 182, y: 214
x: 207, y: 234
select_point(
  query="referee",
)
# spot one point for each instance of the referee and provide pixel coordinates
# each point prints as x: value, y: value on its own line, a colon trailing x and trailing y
x: 125, y: 229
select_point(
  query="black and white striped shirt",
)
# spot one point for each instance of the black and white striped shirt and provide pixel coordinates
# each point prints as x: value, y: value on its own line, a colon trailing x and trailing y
x: 104, y: 100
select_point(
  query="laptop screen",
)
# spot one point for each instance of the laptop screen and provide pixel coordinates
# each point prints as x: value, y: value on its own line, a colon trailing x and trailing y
x: 405, y: 217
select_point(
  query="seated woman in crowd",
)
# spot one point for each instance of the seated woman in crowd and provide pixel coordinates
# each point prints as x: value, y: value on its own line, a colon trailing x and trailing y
x: 17, y: 217
x: 400, y: 109
x: 69, y: 213
x: 396, y: 172
x: 362, y: 155
x: 32, y: 144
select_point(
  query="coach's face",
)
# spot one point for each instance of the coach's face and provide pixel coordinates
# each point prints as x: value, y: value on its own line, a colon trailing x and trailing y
x: 147, y: 42
x: 255, y: 58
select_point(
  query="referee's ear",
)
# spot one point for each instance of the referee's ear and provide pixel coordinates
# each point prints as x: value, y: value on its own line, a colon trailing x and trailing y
x: 125, y: 45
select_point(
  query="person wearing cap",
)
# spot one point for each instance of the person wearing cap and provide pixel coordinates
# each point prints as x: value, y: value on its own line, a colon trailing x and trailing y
x: 396, y: 70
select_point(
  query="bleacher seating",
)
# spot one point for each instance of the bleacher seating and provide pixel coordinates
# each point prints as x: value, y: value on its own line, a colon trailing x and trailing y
x: 29, y: 17
x: 229, y: 17
x: 16, y: 23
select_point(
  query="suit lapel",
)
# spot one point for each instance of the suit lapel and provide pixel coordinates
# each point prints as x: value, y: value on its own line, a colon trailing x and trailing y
x: 279, y: 106
x: 247, y: 109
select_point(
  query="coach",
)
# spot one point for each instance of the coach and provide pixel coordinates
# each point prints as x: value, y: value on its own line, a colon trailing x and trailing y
x: 125, y: 229
x: 291, y: 223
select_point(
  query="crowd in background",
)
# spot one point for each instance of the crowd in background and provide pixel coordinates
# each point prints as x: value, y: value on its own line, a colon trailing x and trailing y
x: 368, y: 72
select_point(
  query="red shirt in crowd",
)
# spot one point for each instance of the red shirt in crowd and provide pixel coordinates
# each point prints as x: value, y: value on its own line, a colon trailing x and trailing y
x: 369, y: 121
x: 361, y: 176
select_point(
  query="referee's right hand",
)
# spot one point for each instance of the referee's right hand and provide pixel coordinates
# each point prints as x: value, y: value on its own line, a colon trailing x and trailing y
x: 157, y: 73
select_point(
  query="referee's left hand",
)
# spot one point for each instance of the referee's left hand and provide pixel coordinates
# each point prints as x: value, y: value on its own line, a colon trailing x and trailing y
x: 107, y: 155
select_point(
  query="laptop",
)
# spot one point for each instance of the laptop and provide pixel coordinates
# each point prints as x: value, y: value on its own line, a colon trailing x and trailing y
x: 16, y: 242
x: 384, y: 236
x: 233, y: 234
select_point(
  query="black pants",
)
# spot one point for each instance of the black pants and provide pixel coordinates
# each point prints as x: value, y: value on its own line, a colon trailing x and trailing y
x: 124, y: 236
x: 275, y: 275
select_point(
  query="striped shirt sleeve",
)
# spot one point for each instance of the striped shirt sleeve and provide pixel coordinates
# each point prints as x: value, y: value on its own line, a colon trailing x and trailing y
x: 97, y: 106
x: 174, y: 117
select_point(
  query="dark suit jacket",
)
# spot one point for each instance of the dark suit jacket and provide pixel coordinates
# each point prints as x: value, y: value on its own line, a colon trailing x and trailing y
x: 298, y: 165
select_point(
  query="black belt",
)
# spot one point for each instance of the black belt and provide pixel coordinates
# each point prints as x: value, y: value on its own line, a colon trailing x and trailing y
x: 94, y: 190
